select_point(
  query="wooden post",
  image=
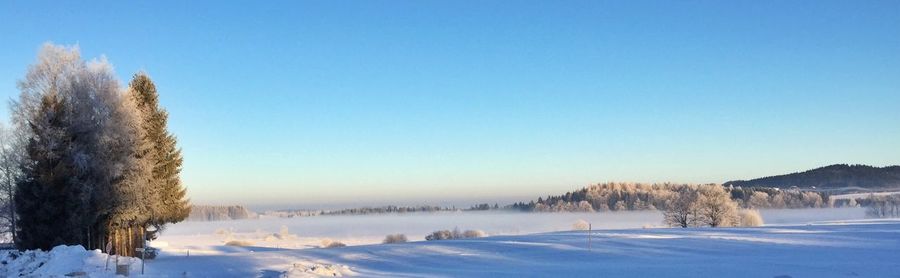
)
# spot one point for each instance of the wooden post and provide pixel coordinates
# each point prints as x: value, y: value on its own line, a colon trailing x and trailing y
x: 589, y: 236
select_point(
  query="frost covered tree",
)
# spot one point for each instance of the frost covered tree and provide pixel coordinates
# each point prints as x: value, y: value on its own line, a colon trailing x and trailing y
x: 715, y: 207
x: 169, y: 204
x: 681, y: 209
x: 48, y: 200
x: 759, y: 199
x: 10, y: 158
x: 82, y: 180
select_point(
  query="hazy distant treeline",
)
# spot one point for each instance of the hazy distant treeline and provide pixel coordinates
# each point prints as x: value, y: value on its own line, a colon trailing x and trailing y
x: 886, y: 206
x: 383, y: 209
x: 656, y: 196
x: 362, y: 210
x: 216, y: 213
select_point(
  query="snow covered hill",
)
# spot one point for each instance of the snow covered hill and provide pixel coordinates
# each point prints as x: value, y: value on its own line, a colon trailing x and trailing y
x: 861, y: 248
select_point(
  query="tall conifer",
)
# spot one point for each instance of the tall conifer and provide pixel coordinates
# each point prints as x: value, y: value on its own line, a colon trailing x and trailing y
x: 171, y: 205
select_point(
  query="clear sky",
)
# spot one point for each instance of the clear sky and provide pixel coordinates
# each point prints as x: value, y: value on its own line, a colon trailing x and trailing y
x: 300, y: 103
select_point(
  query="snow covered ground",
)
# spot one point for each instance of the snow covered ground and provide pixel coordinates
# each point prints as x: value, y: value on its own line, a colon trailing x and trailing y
x: 62, y: 261
x: 801, y: 244
x: 829, y: 249
x: 306, y: 232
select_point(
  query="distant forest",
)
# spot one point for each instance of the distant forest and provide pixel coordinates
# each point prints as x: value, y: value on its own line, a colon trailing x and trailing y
x: 836, y: 176
x: 658, y: 196
x: 378, y: 210
x: 218, y: 213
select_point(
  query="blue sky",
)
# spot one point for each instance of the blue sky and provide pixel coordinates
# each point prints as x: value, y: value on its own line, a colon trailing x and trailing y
x: 300, y: 103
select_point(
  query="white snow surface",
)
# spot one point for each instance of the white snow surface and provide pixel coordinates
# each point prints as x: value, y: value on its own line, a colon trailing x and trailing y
x: 61, y: 261
x: 820, y: 246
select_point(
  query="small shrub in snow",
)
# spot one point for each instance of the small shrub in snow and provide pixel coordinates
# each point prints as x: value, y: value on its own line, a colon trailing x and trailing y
x: 335, y: 244
x: 455, y: 234
x: 239, y: 243
x: 328, y: 243
x: 580, y: 225
x: 395, y: 238
x: 439, y: 235
x: 750, y: 218
x: 473, y: 234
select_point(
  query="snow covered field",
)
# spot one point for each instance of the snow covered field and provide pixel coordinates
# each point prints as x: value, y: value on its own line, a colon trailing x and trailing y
x: 305, y: 232
x: 828, y: 249
x: 802, y: 243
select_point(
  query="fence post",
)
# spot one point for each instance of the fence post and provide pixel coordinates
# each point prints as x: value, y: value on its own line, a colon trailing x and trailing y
x: 589, y: 236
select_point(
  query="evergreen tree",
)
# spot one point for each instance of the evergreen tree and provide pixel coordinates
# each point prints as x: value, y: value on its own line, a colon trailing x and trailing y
x: 171, y: 204
x: 47, y: 198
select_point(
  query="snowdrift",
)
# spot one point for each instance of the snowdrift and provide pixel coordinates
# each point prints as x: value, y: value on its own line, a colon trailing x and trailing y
x: 61, y: 261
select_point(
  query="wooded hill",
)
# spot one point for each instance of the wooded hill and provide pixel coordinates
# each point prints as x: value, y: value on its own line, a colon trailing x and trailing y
x: 832, y: 177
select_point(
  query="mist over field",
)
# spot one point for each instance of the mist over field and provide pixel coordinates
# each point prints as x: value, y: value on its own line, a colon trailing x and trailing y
x: 370, y: 229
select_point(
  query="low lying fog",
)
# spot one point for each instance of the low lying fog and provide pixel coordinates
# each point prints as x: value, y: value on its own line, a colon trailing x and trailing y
x: 365, y: 229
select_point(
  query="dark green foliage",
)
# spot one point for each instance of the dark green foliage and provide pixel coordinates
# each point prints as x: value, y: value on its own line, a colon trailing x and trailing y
x: 49, y: 202
x: 833, y: 176
x: 171, y: 204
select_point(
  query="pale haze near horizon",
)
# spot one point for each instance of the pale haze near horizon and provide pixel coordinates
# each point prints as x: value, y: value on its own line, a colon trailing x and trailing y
x: 290, y: 104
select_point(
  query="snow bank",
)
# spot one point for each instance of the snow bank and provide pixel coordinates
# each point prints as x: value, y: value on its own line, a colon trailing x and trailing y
x: 60, y: 261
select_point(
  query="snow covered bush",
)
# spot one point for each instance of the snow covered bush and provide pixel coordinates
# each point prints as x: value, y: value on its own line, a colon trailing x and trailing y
x: 242, y: 243
x: 473, y: 234
x: 750, y: 218
x: 395, y: 238
x: 328, y: 243
x: 455, y: 234
x: 439, y: 235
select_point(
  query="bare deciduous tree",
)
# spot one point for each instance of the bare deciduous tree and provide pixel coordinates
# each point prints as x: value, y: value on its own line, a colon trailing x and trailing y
x: 681, y: 209
x: 10, y: 158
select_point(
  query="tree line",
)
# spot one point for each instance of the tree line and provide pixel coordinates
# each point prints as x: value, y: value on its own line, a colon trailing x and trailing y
x: 218, y: 213
x: 623, y: 196
x: 884, y: 206
x: 85, y: 161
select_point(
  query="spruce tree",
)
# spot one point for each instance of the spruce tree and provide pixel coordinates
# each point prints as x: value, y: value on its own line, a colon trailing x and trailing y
x: 171, y: 204
x: 47, y: 198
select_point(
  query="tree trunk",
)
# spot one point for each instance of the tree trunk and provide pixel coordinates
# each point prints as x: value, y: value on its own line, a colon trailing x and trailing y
x: 115, y: 243
x: 130, y: 248
x: 12, y: 212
